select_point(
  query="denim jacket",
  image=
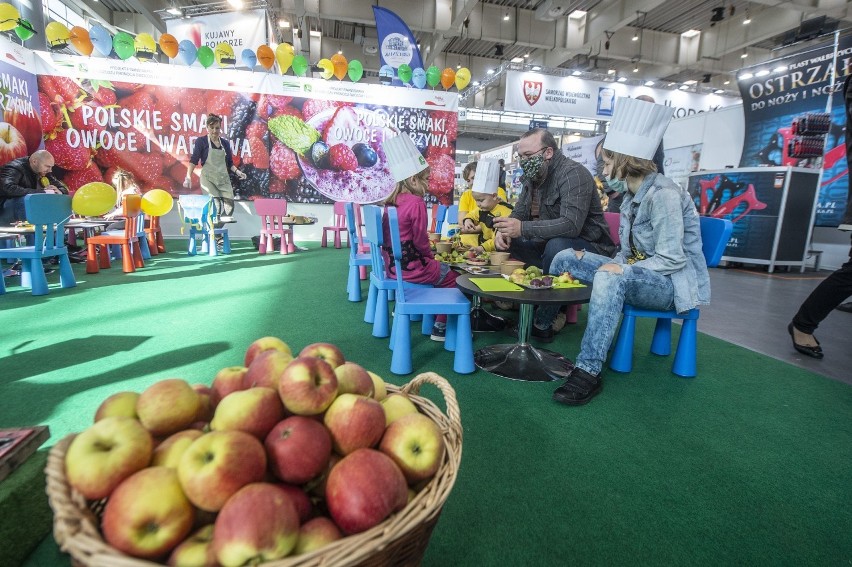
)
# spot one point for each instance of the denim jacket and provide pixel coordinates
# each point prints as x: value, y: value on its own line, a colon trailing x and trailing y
x: 666, y: 228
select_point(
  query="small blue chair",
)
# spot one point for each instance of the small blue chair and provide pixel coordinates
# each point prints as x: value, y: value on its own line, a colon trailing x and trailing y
x: 715, y: 234
x: 356, y: 259
x: 199, y: 212
x: 428, y: 302
x: 48, y: 213
x: 440, y: 216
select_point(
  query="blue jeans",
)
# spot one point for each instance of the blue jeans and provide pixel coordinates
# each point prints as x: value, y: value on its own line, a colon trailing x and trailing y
x: 636, y: 286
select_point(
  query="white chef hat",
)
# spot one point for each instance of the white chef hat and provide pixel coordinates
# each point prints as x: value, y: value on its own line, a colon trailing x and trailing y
x: 487, y: 176
x: 637, y: 127
x: 404, y: 159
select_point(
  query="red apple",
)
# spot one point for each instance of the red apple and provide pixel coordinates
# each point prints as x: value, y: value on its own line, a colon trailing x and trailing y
x: 304, y: 506
x: 298, y: 449
x: 380, y: 392
x: 148, y: 515
x: 355, y: 422
x: 353, y: 379
x: 169, y: 452
x: 307, y: 386
x: 12, y: 143
x: 227, y: 380
x: 316, y: 533
x: 255, y: 411
x: 168, y: 406
x: 258, y: 523
x: 266, y: 369
x: 263, y: 344
x: 325, y: 351
x: 196, y: 550
x: 102, y: 456
x: 219, y: 463
x: 416, y: 445
x: 121, y: 404
x: 363, y: 489
x: 28, y: 124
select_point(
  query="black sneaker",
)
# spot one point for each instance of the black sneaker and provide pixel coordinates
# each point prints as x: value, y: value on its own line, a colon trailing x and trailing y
x: 439, y: 334
x: 579, y: 388
x: 484, y: 322
x: 541, y: 335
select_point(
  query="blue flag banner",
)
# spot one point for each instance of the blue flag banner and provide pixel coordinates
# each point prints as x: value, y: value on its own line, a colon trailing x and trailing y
x: 396, y: 42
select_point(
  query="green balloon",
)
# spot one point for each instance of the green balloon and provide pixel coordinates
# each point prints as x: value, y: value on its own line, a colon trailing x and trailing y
x: 123, y: 45
x: 356, y: 70
x: 205, y: 56
x: 24, y: 30
x: 404, y: 72
x: 433, y: 76
x: 300, y: 65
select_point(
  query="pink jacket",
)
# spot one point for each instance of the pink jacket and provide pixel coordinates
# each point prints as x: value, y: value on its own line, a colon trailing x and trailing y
x: 413, y: 227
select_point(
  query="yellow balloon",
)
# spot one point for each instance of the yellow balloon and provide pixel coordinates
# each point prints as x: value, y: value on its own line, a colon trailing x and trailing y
x: 284, y: 55
x: 145, y: 46
x: 327, y: 68
x: 224, y: 55
x: 93, y: 199
x: 462, y: 78
x: 157, y: 202
x: 57, y: 35
x: 8, y: 17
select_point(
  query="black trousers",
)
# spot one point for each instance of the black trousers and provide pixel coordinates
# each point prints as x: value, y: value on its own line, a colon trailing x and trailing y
x: 833, y: 291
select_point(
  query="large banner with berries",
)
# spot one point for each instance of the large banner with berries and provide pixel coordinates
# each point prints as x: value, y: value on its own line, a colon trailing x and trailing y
x: 306, y: 140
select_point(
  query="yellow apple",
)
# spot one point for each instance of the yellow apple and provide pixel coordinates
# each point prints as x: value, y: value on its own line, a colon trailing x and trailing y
x: 195, y: 551
x: 121, y: 404
x: 168, y: 453
x: 255, y: 411
x: 396, y: 406
x: 380, y: 392
x: 416, y: 445
x: 168, y: 406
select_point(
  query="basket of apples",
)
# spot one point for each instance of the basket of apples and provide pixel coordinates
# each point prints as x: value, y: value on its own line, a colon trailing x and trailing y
x: 285, y: 461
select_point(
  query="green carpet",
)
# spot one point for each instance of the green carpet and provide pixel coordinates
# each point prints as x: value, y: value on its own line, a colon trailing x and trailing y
x: 749, y: 463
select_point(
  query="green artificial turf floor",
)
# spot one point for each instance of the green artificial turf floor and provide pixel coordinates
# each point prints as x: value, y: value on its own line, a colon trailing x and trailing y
x: 749, y: 463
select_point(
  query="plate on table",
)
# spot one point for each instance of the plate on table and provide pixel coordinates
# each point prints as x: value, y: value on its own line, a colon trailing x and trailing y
x: 527, y: 286
x: 477, y: 270
x: 471, y: 262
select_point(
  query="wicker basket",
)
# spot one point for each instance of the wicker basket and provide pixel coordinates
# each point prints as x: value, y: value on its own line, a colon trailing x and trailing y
x: 400, y: 540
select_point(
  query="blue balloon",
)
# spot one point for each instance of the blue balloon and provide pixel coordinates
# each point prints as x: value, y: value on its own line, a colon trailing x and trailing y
x: 187, y: 51
x: 418, y: 77
x: 386, y: 74
x: 249, y: 58
x: 101, y: 39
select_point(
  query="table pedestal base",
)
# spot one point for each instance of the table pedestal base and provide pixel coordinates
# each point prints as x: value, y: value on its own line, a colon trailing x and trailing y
x: 523, y: 362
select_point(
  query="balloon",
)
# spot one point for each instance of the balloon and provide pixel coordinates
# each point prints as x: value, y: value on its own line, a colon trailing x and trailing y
x: 24, y: 30
x: 80, y: 40
x: 462, y: 78
x: 338, y: 61
x: 93, y: 199
x: 188, y: 52
x: 249, y: 58
x: 8, y: 17
x: 57, y: 35
x: 327, y: 68
x: 123, y: 45
x: 157, y: 202
x: 101, y: 39
x: 448, y: 77
x: 418, y: 77
x: 169, y: 45
x: 265, y: 57
x: 205, y: 56
x: 356, y: 70
x: 433, y: 76
x: 284, y: 55
x: 386, y: 74
x: 404, y: 73
x: 145, y: 46
x: 300, y: 65
x: 224, y: 55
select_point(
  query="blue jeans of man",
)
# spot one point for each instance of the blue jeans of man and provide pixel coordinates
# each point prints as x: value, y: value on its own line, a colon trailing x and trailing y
x: 636, y: 286
x: 12, y: 210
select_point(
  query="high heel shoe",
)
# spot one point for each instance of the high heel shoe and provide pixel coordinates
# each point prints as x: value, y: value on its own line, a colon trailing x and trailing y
x: 812, y: 351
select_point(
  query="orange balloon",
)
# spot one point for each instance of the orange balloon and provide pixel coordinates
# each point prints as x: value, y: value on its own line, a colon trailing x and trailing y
x: 266, y: 57
x: 81, y: 41
x: 169, y: 45
x: 448, y: 78
x: 341, y: 65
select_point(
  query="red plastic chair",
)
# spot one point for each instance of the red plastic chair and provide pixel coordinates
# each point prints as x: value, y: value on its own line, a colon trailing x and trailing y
x: 131, y: 252
x: 272, y: 213
x: 339, y: 225
x: 155, y: 236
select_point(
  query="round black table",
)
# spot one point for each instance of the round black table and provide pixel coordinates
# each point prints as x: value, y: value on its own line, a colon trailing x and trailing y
x: 522, y: 361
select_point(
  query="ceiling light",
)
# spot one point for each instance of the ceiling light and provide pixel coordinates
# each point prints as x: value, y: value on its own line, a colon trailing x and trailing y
x: 236, y: 4
x: 282, y: 23
x: 727, y: 83
x: 610, y: 71
x: 719, y: 91
x: 762, y: 73
x: 744, y: 55
x: 690, y: 33
x: 636, y: 69
x: 536, y: 68
x: 649, y: 83
x: 295, y: 30
x: 683, y: 87
x: 577, y: 73
x: 636, y: 36
x: 314, y: 33
x: 577, y: 14
x: 747, y: 20
x: 506, y: 17
x: 458, y: 66
x: 690, y: 82
x: 526, y: 55
x: 746, y: 76
x: 174, y: 11
x: 518, y: 60
x: 340, y: 52
x: 490, y: 71
x: 622, y: 79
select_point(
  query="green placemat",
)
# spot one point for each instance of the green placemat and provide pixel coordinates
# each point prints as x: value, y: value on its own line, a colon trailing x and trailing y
x: 495, y: 284
x: 566, y: 285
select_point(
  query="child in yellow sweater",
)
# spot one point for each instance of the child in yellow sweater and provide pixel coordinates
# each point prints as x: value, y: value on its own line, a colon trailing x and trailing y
x: 488, y: 205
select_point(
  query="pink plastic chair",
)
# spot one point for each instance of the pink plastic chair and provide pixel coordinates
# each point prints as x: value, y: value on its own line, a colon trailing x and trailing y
x: 339, y: 225
x: 271, y: 213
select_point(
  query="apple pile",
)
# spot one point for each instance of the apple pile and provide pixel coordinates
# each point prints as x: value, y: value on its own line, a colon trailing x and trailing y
x: 278, y: 457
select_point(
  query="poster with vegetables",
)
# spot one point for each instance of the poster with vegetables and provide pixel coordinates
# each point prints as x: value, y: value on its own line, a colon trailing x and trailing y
x: 301, y: 139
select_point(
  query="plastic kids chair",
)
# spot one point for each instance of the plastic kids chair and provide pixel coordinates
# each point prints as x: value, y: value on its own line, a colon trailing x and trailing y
x: 272, y: 213
x: 339, y: 226
x: 127, y: 239
x: 199, y: 212
x: 357, y: 260
x: 154, y: 235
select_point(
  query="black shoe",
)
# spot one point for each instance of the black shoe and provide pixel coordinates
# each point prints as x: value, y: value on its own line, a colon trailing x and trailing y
x: 579, y: 388
x: 542, y: 335
x: 484, y: 322
x: 812, y: 351
x: 847, y: 307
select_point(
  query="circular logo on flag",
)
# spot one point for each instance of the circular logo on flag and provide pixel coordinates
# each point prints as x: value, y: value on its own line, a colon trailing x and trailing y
x: 396, y: 50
